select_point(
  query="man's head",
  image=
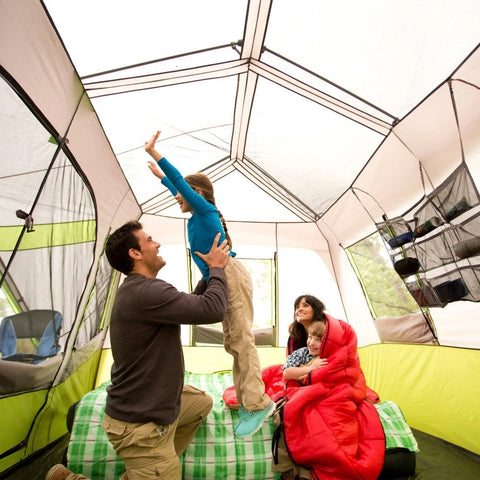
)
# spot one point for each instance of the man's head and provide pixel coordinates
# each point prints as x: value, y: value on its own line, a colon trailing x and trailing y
x: 130, y: 250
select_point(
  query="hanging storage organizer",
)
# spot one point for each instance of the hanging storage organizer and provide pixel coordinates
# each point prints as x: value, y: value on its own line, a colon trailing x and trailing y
x: 435, y: 246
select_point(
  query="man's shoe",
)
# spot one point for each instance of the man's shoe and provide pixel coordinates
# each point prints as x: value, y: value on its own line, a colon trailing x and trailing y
x: 57, y: 472
x: 250, y: 422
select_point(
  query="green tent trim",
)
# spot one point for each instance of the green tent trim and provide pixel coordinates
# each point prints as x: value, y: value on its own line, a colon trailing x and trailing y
x: 48, y: 235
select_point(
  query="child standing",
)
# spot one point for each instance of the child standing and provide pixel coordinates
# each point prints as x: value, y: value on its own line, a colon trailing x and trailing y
x: 195, y: 194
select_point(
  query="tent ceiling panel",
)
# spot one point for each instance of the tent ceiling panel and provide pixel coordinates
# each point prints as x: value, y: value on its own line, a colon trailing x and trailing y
x: 391, y: 182
x: 305, y: 89
x: 252, y: 203
x: 469, y: 71
x: 467, y: 101
x: 431, y: 134
x: 347, y: 220
x: 199, y: 114
x: 316, y: 89
x: 122, y: 33
x: 43, y: 61
x: 373, y: 49
x: 195, y: 121
x: 295, y: 140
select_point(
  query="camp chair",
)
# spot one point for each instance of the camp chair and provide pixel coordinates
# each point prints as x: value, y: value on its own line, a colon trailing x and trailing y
x: 42, y: 326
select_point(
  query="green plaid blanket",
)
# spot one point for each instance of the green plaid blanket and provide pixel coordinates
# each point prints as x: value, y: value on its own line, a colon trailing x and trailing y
x: 397, y: 432
x: 215, y: 453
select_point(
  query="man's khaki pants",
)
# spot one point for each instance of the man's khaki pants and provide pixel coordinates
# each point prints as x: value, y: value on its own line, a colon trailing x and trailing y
x: 151, y: 451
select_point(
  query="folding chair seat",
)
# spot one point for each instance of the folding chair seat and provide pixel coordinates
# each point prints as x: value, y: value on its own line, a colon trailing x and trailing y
x: 42, y: 326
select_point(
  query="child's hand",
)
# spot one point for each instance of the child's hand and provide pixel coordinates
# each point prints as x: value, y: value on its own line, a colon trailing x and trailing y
x: 154, y: 169
x: 150, y: 146
x: 319, y: 363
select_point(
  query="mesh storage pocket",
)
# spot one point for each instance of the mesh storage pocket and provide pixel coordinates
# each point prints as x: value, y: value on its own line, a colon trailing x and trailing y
x: 424, y: 294
x: 456, y: 195
x: 396, y: 232
x: 426, y: 219
x: 460, y: 284
x: 435, y: 245
x: 466, y: 238
x: 434, y: 252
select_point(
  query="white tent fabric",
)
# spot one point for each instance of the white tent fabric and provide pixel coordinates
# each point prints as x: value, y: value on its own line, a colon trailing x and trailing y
x: 314, y: 119
x: 324, y: 113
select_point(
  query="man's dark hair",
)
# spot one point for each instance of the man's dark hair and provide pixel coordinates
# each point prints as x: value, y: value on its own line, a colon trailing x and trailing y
x: 118, y: 245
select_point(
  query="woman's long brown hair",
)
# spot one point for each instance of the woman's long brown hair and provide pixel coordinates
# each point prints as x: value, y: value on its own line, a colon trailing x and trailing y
x: 298, y: 334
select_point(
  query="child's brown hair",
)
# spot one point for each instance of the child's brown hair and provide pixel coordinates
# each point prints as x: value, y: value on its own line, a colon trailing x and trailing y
x: 203, y: 183
x: 317, y: 329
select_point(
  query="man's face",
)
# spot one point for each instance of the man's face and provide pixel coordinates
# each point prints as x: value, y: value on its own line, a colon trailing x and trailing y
x: 149, y: 258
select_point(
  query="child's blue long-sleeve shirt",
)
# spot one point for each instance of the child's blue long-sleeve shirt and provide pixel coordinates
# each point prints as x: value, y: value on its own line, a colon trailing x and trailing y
x: 204, y: 223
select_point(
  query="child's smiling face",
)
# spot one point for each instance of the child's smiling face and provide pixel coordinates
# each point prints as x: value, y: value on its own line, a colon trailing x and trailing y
x: 313, y: 344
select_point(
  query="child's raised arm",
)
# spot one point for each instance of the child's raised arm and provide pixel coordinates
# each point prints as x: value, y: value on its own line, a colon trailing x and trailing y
x: 150, y: 149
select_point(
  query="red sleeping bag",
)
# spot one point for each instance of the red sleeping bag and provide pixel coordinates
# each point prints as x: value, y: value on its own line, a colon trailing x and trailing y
x: 329, y: 424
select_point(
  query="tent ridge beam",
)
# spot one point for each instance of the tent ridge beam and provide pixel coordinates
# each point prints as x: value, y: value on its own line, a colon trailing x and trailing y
x: 158, y: 60
x: 213, y: 71
x: 312, y: 93
x: 277, y: 191
x: 338, y: 87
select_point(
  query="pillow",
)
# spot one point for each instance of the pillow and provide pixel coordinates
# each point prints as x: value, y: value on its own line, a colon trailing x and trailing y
x: 412, y: 328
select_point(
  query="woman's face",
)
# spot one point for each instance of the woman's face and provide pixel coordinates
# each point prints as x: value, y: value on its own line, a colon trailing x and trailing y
x: 304, y: 313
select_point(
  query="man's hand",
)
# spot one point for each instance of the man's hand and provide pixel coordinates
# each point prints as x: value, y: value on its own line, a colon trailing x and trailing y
x: 218, y: 255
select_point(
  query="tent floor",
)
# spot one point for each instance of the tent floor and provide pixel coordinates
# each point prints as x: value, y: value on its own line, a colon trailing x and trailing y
x: 437, y: 460
x: 441, y: 460
x: 37, y: 466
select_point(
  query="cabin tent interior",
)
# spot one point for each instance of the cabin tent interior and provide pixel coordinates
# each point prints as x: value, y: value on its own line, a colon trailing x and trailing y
x: 342, y: 140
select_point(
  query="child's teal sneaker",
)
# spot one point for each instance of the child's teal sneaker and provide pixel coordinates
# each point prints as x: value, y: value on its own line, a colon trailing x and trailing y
x: 250, y: 422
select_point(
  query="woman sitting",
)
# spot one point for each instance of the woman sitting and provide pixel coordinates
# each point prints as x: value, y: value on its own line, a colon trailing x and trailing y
x: 329, y: 428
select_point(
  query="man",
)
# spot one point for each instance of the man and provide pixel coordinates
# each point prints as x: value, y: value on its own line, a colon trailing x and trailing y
x: 150, y: 416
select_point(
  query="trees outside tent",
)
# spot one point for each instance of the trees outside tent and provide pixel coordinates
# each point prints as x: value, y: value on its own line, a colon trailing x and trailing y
x: 385, y: 291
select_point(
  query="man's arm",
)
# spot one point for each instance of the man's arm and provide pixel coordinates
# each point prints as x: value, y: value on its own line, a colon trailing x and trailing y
x: 218, y: 254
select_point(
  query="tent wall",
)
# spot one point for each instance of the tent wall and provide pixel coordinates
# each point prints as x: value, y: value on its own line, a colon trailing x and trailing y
x: 33, y: 57
x: 436, y: 387
x: 421, y: 151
